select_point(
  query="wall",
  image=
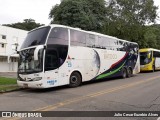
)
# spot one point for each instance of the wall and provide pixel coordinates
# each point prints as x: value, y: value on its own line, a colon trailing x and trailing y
x: 10, y: 38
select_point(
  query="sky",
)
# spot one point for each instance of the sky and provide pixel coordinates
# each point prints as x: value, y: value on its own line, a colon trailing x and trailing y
x: 13, y: 11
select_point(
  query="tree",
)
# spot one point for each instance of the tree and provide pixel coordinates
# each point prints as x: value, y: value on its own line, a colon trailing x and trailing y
x: 85, y: 14
x: 126, y: 19
x: 151, y: 36
x: 27, y: 24
x: 157, y: 32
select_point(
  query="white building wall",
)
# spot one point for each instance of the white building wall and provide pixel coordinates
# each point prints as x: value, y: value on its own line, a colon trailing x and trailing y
x: 4, y: 66
x: 9, y: 39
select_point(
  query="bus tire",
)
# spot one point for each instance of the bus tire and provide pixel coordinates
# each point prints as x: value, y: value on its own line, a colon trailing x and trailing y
x: 153, y: 68
x: 129, y: 72
x: 124, y: 73
x: 75, y: 79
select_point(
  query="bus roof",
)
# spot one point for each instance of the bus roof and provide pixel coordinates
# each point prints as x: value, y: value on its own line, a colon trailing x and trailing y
x: 148, y: 49
x: 91, y: 32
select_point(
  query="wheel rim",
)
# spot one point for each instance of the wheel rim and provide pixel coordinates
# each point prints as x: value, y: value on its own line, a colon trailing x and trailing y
x: 74, y: 79
x: 129, y: 72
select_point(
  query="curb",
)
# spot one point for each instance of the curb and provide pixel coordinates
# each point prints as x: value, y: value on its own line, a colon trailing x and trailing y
x: 14, y: 90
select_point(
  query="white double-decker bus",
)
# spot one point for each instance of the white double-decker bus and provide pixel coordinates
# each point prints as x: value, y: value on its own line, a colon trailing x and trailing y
x: 58, y: 55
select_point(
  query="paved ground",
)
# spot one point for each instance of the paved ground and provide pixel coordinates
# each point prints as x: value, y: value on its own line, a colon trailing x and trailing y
x: 8, y: 74
x: 138, y: 93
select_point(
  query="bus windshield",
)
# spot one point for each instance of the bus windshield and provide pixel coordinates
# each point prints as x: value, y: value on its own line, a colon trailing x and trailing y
x: 145, y: 57
x: 27, y: 64
x: 36, y: 37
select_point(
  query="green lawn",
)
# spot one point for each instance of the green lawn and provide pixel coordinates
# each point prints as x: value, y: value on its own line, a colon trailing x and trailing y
x: 7, y: 81
x: 8, y: 84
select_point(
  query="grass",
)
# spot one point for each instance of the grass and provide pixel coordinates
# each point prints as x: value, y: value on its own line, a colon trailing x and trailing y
x: 8, y: 84
x: 7, y: 81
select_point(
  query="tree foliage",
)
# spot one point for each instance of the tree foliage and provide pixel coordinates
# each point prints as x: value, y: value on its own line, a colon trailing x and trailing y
x: 126, y: 19
x: 85, y: 14
x: 27, y: 24
x: 151, y: 36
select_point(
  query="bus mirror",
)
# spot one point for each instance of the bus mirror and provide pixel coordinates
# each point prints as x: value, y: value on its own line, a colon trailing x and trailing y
x: 36, y: 51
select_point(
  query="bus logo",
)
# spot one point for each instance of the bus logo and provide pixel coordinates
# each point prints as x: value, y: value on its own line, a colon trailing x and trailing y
x: 51, y: 82
x: 110, y: 56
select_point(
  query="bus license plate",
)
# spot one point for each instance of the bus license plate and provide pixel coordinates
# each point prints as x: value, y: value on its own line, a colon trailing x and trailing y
x: 25, y: 85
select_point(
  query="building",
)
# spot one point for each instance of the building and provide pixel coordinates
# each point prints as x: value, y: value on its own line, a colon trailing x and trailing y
x: 10, y: 40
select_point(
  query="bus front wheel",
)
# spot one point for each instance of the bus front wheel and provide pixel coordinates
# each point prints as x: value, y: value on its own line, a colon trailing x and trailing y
x: 75, y: 79
x: 153, y: 68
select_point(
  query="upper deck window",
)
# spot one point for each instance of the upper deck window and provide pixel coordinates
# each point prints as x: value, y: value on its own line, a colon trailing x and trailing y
x: 78, y: 38
x: 58, y: 36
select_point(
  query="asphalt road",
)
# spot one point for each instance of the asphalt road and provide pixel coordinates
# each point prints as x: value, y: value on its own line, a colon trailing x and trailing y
x: 138, y: 93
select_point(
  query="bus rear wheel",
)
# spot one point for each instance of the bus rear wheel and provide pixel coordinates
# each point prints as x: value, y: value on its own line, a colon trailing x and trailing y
x: 129, y: 72
x: 75, y: 79
x: 124, y: 72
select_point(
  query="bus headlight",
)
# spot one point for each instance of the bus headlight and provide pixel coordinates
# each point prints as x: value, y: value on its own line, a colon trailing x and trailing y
x: 37, y: 78
x: 142, y: 66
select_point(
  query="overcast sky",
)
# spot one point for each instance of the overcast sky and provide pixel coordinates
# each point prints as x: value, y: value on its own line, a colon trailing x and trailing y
x: 12, y: 11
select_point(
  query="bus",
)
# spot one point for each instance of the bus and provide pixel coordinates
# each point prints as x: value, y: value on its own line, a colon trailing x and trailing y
x: 149, y: 59
x: 57, y: 55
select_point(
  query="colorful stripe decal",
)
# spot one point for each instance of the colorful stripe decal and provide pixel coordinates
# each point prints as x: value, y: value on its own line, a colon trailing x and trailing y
x: 119, y: 61
x: 110, y: 73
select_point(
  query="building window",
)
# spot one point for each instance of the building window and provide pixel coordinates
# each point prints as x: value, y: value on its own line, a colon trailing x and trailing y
x: 3, y: 36
x: 2, y: 45
x: 13, y: 59
x: 3, y: 59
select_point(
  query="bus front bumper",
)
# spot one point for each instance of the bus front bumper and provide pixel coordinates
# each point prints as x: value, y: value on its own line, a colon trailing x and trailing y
x: 33, y: 84
x: 145, y: 68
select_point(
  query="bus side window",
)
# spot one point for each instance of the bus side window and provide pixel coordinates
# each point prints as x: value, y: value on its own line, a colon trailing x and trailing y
x: 78, y: 38
x: 90, y: 40
x: 62, y: 52
x: 103, y: 42
x: 51, y: 60
x: 156, y: 54
x: 123, y: 46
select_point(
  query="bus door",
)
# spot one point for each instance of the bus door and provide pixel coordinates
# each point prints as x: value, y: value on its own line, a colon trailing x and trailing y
x: 156, y: 56
x: 51, y: 66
